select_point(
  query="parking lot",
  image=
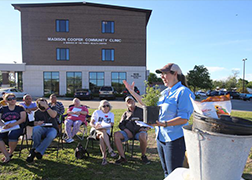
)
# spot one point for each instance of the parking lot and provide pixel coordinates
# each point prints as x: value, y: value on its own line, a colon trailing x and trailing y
x: 237, y: 105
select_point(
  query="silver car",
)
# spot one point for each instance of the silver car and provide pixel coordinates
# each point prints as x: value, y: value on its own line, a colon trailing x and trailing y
x: 18, y: 94
x: 106, y: 92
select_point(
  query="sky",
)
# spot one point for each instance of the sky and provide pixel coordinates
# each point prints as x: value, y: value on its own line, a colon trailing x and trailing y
x: 216, y: 34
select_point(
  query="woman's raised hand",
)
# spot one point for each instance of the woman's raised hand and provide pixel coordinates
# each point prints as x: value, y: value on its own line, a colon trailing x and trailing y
x: 128, y: 86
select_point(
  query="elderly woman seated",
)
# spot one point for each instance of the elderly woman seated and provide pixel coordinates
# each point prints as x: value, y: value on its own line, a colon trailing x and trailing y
x: 101, y: 122
x: 76, y: 115
x: 12, y: 116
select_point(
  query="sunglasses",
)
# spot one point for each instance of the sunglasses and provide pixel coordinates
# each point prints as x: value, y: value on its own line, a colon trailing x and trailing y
x: 13, y: 98
x: 105, y: 106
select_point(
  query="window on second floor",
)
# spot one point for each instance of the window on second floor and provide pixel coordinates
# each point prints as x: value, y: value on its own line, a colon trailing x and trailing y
x: 62, y: 25
x: 108, y: 26
x: 108, y: 54
x: 62, y: 54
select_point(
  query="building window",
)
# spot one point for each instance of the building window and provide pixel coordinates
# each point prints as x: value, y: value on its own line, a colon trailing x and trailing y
x: 117, y: 80
x: 51, y: 83
x: 108, y: 54
x: 74, y: 81
x: 62, y: 54
x: 62, y: 25
x: 108, y: 27
x: 96, y: 80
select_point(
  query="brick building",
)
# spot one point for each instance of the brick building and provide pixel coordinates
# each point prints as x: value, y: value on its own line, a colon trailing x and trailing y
x: 81, y: 45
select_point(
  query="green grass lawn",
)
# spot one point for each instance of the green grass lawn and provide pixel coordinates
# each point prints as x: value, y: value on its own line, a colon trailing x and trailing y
x: 67, y: 167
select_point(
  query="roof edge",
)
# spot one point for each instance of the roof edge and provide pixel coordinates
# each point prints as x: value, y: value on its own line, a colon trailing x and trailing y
x: 27, y: 5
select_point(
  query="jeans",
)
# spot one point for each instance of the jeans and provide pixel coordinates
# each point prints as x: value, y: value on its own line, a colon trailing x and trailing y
x: 47, y: 133
x: 171, y: 154
x: 12, y: 136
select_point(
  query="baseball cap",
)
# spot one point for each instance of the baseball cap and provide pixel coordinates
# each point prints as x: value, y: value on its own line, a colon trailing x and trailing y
x: 170, y: 67
x: 129, y: 97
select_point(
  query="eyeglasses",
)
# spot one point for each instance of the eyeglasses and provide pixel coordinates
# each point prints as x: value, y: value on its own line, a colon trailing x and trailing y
x: 13, y: 98
x: 105, y: 106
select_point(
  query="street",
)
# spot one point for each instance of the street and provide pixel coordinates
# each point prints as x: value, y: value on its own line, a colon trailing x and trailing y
x: 237, y: 105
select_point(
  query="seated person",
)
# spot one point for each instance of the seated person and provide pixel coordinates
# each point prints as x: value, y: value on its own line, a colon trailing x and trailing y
x: 9, y: 113
x: 76, y: 115
x: 28, y: 104
x: 130, y: 129
x: 58, y: 105
x: 103, y: 115
x: 45, y: 127
x: 3, y: 102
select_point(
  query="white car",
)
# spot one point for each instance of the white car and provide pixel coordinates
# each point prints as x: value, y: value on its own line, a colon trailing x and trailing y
x: 18, y: 94
x: 201, y: 93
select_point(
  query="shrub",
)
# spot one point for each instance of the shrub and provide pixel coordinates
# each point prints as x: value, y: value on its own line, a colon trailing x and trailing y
x: 152, y: 95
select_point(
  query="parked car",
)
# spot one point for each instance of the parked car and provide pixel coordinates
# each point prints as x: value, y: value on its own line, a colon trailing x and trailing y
x: 212, y: 93
x: 222, y: 92
x: 107, y: 92
x: 126, y: 93
x: 234, y: 95
x: 200, y: 93
x: 18, y: 94
x: 83, y: 94
x: 246, y: 97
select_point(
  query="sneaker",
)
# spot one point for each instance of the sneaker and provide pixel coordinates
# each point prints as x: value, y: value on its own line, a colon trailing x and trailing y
x: 120, y: 160
x: 31, y: 156
x: 69, y: 140
x: 104, y: 162
x: 38, y: 155
x: 145, y: 160
x: 113, y: 154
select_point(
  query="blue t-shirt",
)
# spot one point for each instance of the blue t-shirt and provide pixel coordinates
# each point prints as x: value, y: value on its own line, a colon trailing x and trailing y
x: 32, y: 105
x: 174, y: 102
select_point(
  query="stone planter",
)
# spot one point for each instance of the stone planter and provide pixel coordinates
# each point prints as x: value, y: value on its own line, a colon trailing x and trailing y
x: 150, y: 114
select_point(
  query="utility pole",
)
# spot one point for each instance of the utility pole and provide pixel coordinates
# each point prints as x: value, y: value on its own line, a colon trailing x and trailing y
x: 243, y: 74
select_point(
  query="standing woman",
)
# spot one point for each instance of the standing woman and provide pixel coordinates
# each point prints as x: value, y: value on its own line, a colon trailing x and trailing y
x: 100, y: 116
x: 9, y: 113
x: 175, y: 111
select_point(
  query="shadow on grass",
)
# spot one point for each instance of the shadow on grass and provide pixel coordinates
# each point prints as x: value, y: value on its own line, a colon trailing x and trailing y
x: 67, y: 167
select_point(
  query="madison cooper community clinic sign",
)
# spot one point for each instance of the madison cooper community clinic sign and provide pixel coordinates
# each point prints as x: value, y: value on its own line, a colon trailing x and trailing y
x: 85, y: 41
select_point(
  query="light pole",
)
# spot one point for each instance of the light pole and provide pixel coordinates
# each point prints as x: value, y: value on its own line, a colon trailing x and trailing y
x: 243, y: 73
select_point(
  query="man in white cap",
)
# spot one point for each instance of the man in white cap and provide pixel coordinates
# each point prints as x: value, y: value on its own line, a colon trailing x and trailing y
x: 129, y: 129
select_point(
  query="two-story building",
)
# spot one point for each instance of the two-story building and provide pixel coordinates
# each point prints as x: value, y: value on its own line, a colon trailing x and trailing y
x: 81, y: 45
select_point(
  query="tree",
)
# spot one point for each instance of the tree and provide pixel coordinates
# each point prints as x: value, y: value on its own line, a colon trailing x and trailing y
x: 152, y: 78
x: 240, y: 85
x: 220, y: 84
x: 199, y: 78
x: 249, y: 85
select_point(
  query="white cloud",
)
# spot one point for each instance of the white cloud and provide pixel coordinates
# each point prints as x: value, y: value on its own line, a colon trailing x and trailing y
x: 236, y: 69
x: 222, y: 78
x: 215, y: 69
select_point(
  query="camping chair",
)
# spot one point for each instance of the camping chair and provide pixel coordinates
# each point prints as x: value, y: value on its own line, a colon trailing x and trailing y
x: 83, y: 128
x: 24, y: 136
x: 92, y: 138
x: 126, y: 146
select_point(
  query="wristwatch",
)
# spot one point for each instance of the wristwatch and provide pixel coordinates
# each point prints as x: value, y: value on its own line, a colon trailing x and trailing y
x: 166, y: 124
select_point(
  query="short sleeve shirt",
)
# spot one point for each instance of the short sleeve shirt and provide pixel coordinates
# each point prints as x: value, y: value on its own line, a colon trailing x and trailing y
x: 100, y: 116
x: 8, y: 115
x: 32, y: 105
